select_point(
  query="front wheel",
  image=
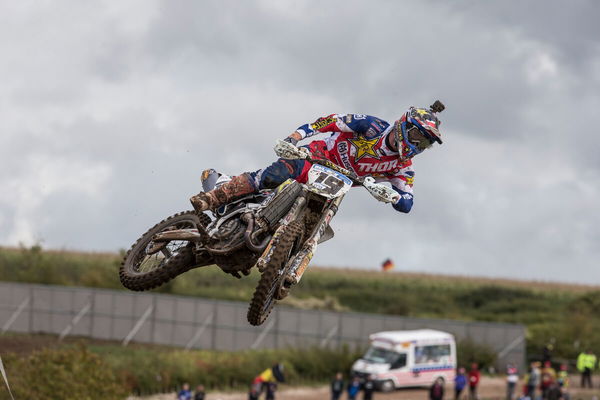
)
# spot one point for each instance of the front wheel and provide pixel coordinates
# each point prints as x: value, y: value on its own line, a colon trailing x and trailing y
x: 148, y: 265
x: 264, y: 296
x: 387, y: 386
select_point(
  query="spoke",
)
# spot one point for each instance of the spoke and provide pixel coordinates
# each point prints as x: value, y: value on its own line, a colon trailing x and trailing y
x: 166, y: 252
x: 271, y: 295
x: 148, y: 263
x: 142, y: 266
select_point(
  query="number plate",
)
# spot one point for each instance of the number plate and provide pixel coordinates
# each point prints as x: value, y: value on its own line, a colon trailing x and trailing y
x: 327, y: 182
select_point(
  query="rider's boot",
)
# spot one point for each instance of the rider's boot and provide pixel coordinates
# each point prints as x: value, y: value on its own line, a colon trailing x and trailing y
x: 237, y: 187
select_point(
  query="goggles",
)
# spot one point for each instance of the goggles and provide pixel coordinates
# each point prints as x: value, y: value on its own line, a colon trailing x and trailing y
x: 414, y: 137
x: 417, y: 138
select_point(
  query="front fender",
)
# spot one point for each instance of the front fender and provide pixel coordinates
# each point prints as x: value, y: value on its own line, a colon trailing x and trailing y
x: 328, y: 234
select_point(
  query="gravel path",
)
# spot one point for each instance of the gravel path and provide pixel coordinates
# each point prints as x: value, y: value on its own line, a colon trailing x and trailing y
x: 490, y: 389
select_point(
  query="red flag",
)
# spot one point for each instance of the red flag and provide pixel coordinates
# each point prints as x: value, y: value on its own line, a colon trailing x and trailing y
x: 387, y: 265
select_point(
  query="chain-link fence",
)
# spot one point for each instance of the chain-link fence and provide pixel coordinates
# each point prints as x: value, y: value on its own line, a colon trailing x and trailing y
x: 216, y: 324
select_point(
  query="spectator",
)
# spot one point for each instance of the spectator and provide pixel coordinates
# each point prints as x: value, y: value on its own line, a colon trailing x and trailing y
x: 547, y: 352
x: 337, y: 386
x: 474, y: 376
x: 563, y: 376
x: 525, y: 386
x: 533, y: 379
x: 262, y: 383
x: 436, y: 391
x: 271, y: 389
x: 253, y: 393
x: 586, y: 362
x: 368, y: 388
x: 353, y: 388
x: 460, y: 381
x: 199, y: 394
x: 525, y: 396
x: 553, y: 392
x: 548, y: 378
x: 512, y: 378
x: 185, y: 393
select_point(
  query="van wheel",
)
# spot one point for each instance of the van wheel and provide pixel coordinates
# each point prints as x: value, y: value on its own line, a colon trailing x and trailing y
x: 387, y: 386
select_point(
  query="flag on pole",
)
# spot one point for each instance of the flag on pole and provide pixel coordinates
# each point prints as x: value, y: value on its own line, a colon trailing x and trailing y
x: 387, y: 265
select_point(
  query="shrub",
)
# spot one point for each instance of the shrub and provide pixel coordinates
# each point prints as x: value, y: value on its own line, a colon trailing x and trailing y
x: 470, y: 352
x: 146, y: 371
x: 58, y: 374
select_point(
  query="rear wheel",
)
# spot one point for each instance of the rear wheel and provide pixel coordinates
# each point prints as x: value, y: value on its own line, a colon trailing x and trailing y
x: 148, y: 265
x: 264, y: 296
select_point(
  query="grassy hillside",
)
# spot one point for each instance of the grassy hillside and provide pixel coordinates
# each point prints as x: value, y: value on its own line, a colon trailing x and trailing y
x: 86, y: 369
x: 567, y: 313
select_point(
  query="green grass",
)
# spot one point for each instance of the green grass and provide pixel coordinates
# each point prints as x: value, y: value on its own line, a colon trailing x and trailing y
x: 145, y: 369
x: 566, y: 314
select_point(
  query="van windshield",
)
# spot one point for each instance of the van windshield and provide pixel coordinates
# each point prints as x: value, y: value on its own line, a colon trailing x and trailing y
x: 377, y: 355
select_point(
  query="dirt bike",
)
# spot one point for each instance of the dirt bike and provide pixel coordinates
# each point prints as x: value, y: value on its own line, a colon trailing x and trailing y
x: 275, y: 230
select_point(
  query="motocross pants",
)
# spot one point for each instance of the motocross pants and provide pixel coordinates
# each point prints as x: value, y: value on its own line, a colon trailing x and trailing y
x: 279, y: 172
x: 218, y: 193
x: 282, y: 169
x: 266, y: 178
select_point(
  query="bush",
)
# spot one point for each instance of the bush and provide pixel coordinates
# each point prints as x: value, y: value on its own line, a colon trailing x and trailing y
x: 470, y: 352
x: 146, y: 371
x: 74, y: 373
x: 32, y: 264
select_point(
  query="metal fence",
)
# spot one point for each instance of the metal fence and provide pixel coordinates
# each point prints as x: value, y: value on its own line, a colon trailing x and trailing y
x: 216, y: 324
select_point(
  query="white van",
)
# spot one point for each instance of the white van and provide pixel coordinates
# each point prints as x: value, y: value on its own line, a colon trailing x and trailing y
x: 408, y: 358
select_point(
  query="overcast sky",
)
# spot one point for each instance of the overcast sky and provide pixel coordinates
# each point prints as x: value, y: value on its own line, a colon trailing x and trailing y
x: 109, y: 111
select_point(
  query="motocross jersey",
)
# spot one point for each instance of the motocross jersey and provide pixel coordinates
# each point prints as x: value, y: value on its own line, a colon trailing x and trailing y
x: 358, y: 143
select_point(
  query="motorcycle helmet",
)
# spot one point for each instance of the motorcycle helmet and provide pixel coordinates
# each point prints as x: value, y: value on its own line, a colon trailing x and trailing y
x: 418, y: 129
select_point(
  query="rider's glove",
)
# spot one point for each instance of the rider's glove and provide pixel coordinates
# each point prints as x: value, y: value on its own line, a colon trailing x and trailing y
x: 291, y: 140
x: 304, y: 150
x: 404, y: 202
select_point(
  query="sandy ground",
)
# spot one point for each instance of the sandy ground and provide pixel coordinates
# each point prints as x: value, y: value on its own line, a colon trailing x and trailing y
x: 490, y: 389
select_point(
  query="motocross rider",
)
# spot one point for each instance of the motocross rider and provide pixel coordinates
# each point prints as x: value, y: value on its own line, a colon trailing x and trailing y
x: 361, y: 143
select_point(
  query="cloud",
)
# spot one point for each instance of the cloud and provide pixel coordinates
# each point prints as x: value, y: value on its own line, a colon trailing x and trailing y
x: 110, y: 111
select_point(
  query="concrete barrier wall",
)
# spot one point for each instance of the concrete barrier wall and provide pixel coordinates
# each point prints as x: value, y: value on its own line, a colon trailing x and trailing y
x: 215, y: 324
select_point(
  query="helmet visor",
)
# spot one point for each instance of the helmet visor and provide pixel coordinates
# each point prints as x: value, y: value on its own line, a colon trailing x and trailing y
x: 417, y: 138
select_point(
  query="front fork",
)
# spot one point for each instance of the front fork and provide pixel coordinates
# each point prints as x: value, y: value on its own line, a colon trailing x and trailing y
x: 298, y: 264
x: 297, y: 207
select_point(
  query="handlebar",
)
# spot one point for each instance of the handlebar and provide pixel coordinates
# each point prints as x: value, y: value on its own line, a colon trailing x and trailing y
x: 380, y: 192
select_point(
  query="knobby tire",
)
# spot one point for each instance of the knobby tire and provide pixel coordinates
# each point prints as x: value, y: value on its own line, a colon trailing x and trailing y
x: 178, y: 263
x: 260, y: 308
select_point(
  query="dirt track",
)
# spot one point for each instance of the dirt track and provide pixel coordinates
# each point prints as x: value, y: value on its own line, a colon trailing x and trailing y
x: 491, y: 388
